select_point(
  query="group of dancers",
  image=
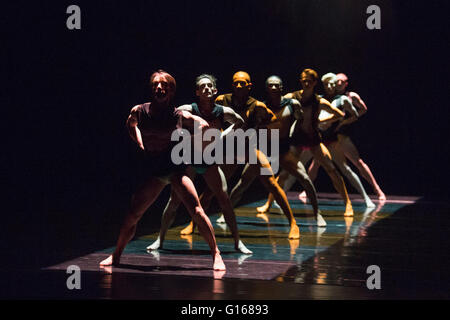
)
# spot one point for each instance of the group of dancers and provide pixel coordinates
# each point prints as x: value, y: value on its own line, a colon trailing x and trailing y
x: 309, y: 127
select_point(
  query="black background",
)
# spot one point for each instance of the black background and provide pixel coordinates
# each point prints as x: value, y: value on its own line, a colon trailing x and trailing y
x: 70, y: 168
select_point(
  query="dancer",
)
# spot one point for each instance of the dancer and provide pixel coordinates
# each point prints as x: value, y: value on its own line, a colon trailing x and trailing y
x: 256, y: 115
x: 345, y: 142
x: 151, y: 125
x: 287, y: 112
x: 330, y: 133
x: 306, y: 136
x: 216, y: 116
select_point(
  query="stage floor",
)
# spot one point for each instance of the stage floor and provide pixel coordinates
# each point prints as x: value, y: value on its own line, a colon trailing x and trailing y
x: 405, y: 237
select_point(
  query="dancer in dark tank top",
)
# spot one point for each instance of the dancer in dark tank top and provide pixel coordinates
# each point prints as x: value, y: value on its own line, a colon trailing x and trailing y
x: 151, y: 125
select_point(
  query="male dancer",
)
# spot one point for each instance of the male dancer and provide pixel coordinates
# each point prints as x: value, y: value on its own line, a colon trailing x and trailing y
x: 151, y: 125
x: 256, y: 115
x: 287, y: 112
x: 330, y: 135
x: 346, y: 144
x: 216, y: 116
x: 306, y: 136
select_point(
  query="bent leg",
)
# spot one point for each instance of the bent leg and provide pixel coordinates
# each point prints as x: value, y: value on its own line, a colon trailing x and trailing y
x: 140, y: 202
x: 282, y: 179
x: 341, y: 163
x: 352, y: 154
x: 322, y: 155
x: 296, y: 168
x: 215, y: 179
x: 273, y: 187
x: 184, y: 187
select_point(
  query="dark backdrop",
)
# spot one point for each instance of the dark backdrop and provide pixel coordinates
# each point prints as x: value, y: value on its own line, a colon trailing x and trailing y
x: 69, y: 166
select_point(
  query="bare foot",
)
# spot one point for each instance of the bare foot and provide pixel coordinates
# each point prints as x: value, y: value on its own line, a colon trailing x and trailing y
x: 263, y: 209
x: 155, y: 245
x: 320, y: 220
x: 294, y: 233
x: 242, y: 248
x: 110, y: 261
x: 369, y: 203
x: 381, y: 196
x: 218, y: 264
x: 189, y: 229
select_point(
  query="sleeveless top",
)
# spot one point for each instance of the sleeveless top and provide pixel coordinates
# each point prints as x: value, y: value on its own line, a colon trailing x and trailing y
x: 248, y: 112
x: 300, y: 137
x: 215, y: 119
x: 156, y: 130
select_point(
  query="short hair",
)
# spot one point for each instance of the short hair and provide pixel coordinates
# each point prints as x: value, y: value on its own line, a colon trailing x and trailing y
x: 329, y: 76
x: 207, y: 76
x: 167, y: 76
x: 274, y: 76
x: 245, y: 74
x: 310, y: 72
x: 342, y: 76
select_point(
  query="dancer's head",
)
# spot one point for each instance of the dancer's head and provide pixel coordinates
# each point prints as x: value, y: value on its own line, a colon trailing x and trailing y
x: 274, y: 85
x: 329, y: 83
x: 341, y: 83
x: 205, y: 86
x: 163, y: 86
x: 308, y: 79
x: 241, y: 83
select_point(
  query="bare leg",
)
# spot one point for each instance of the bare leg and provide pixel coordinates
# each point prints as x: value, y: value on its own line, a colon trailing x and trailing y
x: 169, y: 214
x: 140, y: 202
x: 184, y: 187
x: 313, y: 170
x: 322, y: 155
x: 215, y: 179
x: 352, y: 154
x: 341, y: 163
x: 208, y: 195
x: 296, y: 168
x: 281, y: 179
x: 273, y: 187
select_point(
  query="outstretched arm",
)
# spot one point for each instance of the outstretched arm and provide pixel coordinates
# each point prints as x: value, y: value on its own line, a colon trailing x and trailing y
x: 133, y: 129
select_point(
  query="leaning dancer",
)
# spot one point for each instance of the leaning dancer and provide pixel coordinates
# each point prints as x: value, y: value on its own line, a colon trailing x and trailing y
x: 216, y: 116
x: 346, y: 144
x: 151, y: 125
x: 306, y: 136
x: 330, y: 135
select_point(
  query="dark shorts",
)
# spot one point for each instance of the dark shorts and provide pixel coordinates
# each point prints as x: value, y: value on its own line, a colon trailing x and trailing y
x: 329, y: 137
x: 161, y: 166
x: 306, y: 141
